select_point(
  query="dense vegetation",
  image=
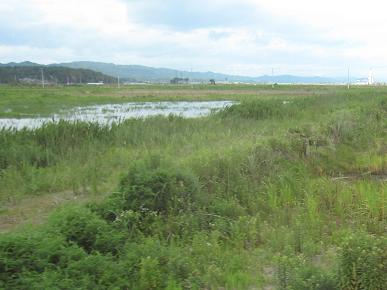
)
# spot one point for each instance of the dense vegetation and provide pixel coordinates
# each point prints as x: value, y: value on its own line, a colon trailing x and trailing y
x: 274, y: 193
x: 52, y: 75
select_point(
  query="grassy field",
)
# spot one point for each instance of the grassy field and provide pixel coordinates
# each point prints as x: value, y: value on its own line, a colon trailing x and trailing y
x: 26, y: 101
x: 286, y: 190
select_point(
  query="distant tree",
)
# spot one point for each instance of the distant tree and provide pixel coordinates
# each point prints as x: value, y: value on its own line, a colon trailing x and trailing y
x: 52, y: 74
x: 212, y: 81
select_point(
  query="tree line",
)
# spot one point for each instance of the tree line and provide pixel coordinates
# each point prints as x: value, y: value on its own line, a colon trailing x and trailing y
x: 51, y: 75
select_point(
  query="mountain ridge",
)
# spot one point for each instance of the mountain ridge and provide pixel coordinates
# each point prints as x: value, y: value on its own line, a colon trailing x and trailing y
x: 140, y: 73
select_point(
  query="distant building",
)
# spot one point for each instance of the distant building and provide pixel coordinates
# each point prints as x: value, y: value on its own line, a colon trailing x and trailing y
x: 95, y: 84
x: 360, y: 82
x: 176, y: 81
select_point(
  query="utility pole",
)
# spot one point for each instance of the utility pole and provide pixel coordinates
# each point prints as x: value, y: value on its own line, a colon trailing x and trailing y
x: 190, y: 78
x: 272, y: 78
x: 118, y: 81
x: 370, y: 77
x: 42, y: 78
x: 348, y: 79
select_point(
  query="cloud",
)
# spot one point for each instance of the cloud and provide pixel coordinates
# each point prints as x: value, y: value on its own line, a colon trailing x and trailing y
x: 240, y: 37
x: 190, y: 15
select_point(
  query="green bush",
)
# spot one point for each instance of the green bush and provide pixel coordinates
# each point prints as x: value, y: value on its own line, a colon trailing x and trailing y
x: 293, y: 273
x: 160, y: 190
x: 24, y: 256
x: 85, y: 228
x: 92, y: 272
x: 313, y: 278
x: 150, y: 188
x: 99, y: 272
x: 151, y: 277
x: 363, y: 263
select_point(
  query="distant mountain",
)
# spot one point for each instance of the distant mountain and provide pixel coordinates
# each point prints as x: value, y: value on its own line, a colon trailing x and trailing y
x: 18, y: 64
x: 291, y: 79
x: 139, y: 73
x: 32, y: 73
x: 145, y: 73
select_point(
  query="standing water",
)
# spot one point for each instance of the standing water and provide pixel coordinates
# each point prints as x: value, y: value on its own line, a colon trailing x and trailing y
x: 116, y: 113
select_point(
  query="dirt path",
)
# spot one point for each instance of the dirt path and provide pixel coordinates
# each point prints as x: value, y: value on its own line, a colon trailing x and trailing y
x: 35, y: 210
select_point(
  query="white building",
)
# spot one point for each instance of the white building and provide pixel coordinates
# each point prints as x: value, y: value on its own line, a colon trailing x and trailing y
x: 96, y: 84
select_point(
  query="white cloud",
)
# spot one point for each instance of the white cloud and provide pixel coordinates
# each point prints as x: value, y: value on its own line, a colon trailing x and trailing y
x: 241, y: 37
x: 25, y: 52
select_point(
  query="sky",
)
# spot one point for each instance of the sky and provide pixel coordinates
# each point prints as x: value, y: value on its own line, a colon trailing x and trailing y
x: 242, y: 37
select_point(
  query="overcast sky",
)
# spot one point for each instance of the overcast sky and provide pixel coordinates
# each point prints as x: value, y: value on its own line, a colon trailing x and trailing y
x: 246, y: 37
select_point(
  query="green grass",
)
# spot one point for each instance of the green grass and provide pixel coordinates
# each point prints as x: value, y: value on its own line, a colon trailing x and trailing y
x: 263, y: 194
x: 33, y: 100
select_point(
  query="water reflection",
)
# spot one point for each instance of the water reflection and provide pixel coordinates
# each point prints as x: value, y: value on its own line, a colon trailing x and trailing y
x: 109, y: 113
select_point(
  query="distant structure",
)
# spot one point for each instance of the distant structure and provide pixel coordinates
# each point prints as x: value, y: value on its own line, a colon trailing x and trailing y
x: 177, y: 80
x: 370, y: 77
x: 95, y: 84
x: 361, y: 82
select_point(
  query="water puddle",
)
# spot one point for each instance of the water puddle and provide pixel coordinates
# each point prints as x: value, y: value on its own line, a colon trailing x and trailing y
x: 116, y: 113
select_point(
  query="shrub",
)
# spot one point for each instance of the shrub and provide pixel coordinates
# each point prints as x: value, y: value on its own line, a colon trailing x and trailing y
x: 149, y: 188
x: 99, y: 272
x: 150, y: 274
x: 313, y: 278
x: 363, y: 263
x: 23, y: 256
x: 81, y: 226
x: 294, y: 273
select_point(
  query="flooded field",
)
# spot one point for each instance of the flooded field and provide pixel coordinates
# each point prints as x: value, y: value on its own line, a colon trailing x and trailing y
x: 116, y: 113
